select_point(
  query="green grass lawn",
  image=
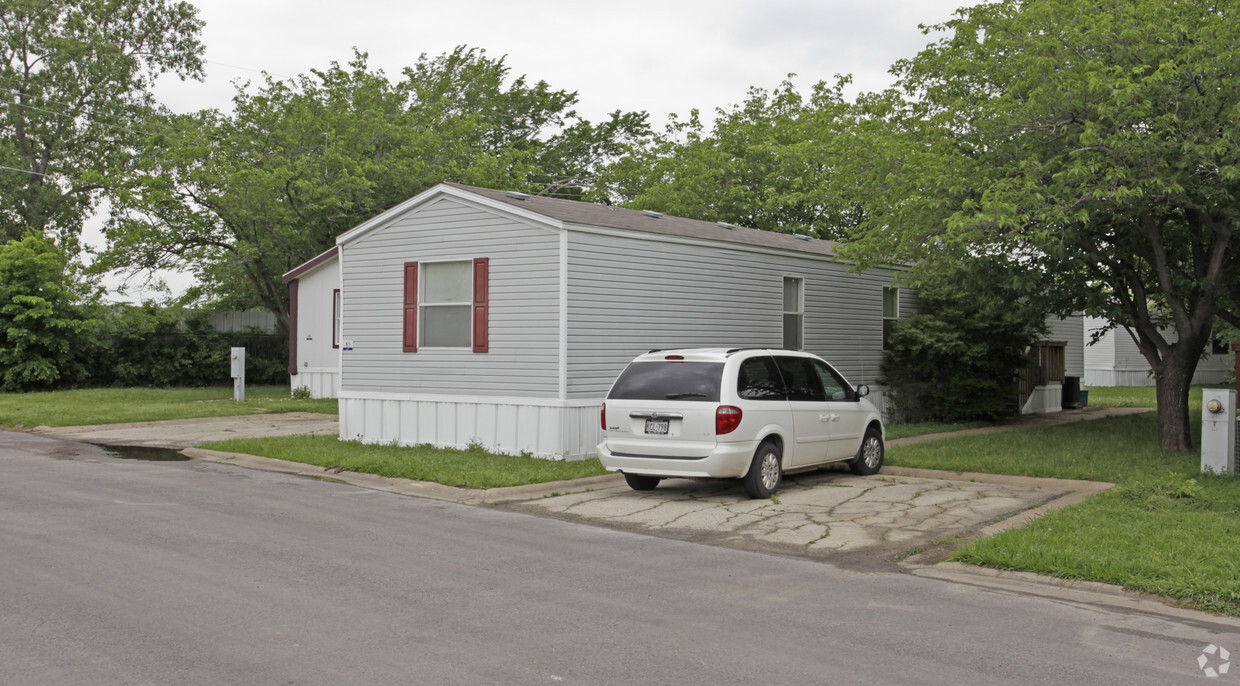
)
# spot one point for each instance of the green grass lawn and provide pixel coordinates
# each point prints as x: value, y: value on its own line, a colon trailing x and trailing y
x: 1164, y: 529
x: 117, y: 405
x: 895, y: 431
x: 471, y: 468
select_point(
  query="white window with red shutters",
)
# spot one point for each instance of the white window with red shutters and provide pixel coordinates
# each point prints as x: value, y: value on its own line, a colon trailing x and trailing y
x: 446, y: 305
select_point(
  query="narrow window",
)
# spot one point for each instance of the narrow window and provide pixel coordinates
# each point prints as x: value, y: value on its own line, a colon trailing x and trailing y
x: 891, y: 313
x: 794, y: 313
x: 336, y: 318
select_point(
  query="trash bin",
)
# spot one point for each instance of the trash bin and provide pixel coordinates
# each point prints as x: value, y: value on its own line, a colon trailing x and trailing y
x: 1084, y: 397
x: 1071, y: 398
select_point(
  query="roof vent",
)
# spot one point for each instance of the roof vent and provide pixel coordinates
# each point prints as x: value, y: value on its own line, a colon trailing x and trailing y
x: 652, y: 214
x: 726, y: 225
x: 803, y: 236
x: 516, y: 195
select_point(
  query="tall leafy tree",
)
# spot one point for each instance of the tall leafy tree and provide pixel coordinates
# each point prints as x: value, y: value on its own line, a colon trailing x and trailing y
x: 750, y: 168
x: 74, y: 77
x: 43, y: 338
x: 241, y: 198
x: 1092, y: 145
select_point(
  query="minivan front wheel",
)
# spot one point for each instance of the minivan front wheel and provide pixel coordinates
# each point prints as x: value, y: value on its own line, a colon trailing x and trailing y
x: 765, y: 472
x: 869, y: 457
x: 641, y: 482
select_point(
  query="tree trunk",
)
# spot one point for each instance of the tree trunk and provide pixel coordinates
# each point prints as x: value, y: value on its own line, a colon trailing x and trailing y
x: 1172, y: 384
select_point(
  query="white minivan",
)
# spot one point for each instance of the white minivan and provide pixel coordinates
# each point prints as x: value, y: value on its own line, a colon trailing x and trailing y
x: 745, y: 413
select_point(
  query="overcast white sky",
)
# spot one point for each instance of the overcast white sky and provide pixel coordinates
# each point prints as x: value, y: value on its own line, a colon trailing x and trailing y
x: 663, y: 57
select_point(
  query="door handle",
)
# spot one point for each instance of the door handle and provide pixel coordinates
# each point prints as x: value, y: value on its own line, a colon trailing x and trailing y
x: 828, y: 418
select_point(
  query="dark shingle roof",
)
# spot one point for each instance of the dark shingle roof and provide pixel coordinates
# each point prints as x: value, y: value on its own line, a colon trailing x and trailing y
x: 576, y: 212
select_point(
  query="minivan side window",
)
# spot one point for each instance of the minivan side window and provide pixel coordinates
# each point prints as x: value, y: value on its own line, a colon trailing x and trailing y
x: 834, y: 385
x: 801, y: 379
x: 758, y: 379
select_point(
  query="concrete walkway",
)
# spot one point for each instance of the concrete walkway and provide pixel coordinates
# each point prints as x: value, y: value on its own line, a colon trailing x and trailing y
x: 185, y: 433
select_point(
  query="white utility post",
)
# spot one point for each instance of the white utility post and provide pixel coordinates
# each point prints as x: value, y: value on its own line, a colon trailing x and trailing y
x: 1218, y: 431
x: 238, y: 374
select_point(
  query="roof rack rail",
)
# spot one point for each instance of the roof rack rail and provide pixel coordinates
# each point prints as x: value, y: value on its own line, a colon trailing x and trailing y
x: 737, y: 350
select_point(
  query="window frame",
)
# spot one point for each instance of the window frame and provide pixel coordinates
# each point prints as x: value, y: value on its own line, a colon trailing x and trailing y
x: 466, y: 305
x: 799, y: 313
x: 478, y: 305
x: 889, y: 321
x: 336, y: 307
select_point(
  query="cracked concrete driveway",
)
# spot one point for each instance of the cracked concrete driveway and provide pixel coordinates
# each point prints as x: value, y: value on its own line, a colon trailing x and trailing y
x: 863, y: 522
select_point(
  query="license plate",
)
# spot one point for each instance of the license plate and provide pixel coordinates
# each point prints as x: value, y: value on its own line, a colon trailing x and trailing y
x: 656, y: 426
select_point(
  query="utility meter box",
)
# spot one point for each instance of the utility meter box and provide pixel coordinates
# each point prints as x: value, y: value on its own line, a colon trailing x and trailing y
x: 1218, y: 431
x: 238, y: 374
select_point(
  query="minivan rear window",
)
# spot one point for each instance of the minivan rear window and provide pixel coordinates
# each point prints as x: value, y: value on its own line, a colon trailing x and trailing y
x: 691, y: 381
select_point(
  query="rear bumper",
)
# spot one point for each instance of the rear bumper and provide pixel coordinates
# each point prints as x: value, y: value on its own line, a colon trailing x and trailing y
x: 726, y: 460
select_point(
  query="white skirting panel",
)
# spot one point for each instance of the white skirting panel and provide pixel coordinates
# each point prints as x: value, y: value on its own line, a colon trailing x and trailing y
x: 1105, y: 378
x: 323, y: 383
x: 1045, y: 399
x: 540, y: 427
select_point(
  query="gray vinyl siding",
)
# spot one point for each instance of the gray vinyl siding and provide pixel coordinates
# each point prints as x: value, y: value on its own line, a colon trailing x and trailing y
x: 523, y: 296
x: 627, y: 295
x: 1071, y: 330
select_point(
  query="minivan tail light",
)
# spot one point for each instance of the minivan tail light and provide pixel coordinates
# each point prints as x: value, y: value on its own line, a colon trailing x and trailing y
x: 602, y: 416
x: 674, y: 357
x: 727, y: 418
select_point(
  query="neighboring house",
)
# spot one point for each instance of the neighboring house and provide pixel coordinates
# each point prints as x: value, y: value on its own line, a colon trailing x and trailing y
x: 1115, y: 360
x: 314, y: 327
x: 1057, y: 364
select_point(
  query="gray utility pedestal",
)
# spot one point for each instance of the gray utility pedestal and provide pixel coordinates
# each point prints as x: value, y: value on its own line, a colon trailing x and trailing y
x: 238, y: 374
x: 1218, y: 431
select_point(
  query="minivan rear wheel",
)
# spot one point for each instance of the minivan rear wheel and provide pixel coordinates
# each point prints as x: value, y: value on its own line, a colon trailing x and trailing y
x: 641, y: 482
x: 765, y: 472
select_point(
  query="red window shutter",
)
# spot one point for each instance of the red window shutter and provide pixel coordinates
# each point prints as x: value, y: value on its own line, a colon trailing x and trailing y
x: 482, y: 269
x: 411, y: 307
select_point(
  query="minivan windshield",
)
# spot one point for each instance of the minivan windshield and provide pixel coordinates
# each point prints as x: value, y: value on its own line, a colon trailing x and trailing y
x: 692, y: 381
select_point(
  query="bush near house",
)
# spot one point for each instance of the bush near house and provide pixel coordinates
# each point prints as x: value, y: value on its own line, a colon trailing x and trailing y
x: 958, y: 359
x: 149, y: 345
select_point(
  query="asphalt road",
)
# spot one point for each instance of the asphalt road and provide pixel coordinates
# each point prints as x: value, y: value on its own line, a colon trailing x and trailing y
x: 119, y: 571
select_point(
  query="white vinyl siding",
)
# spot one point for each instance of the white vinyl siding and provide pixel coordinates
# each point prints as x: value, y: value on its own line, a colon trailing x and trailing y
x: 630, y: 294
x: 523, y: 299
x: 316, y: 292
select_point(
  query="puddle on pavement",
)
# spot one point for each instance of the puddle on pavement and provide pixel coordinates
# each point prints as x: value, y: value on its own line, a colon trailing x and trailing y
x: 144, y: 453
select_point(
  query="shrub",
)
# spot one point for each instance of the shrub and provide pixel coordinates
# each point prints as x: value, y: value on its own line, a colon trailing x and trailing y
x: 959, y: 358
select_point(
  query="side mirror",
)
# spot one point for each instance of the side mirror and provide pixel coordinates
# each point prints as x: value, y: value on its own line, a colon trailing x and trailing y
x: 863, y: 390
